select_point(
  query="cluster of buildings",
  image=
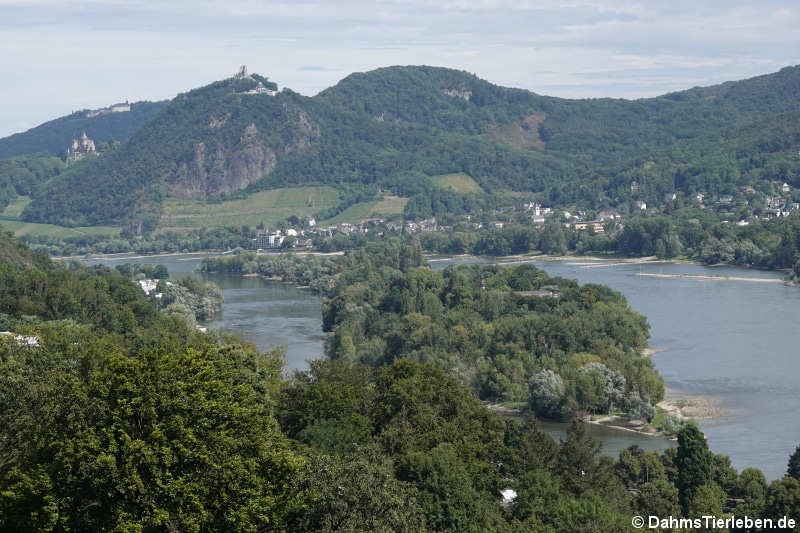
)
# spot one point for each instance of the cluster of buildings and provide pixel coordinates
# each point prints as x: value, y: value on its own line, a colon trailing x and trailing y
x: 774, y: 206
x: 123, y: 107
x: 304, y: 236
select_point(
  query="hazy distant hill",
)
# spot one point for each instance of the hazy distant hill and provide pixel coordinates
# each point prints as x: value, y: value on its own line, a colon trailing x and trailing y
x: 397, y: 127
x: 56, y: 135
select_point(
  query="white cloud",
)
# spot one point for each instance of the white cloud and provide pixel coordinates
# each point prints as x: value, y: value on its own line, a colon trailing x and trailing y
x: 66, y: 56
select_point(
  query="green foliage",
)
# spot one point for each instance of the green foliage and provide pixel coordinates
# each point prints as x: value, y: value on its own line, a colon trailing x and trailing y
x: 783, y: 498
x: 14, y: 254
x: 23, y: 175
x: 142, y: 270
x: 695, y: 466
x: 154, y: 440
x: 794, y: 464
x: 120, y: 419
x: 355, y: 492
x: 56, y: 135
x: 565, y: 349
x: 658, y: 498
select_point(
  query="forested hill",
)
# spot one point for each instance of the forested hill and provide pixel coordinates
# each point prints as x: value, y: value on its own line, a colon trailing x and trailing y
x: 396, y: 127
x: 56, y: 135
x: 14, y: 253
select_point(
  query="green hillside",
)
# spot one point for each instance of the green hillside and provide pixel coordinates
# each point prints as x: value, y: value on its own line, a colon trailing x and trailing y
x: 55, y: 136
x: 395, y: 128
x: 269, y: 207
x: 15, y: 253
x: 457, y: 182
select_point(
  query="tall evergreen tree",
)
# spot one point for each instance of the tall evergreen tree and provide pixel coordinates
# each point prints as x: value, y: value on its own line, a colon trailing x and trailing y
x: 794, y: 464
x: 694, y: 463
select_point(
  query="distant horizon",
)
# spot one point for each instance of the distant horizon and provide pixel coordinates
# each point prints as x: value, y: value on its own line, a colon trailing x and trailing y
x: 60, y: 57
x: 281, y: 86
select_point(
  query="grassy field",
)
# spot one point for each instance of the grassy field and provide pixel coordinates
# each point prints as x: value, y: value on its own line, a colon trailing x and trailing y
x: 269, y: 207
x: 388, y: 206
x: 266, y: 206
x: 457, y: 182
x: 14, y: 209
x: 32, y: 229
x: 9, y: 221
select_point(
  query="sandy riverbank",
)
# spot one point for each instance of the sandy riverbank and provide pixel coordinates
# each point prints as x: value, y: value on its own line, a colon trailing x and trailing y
x: 678, y: 404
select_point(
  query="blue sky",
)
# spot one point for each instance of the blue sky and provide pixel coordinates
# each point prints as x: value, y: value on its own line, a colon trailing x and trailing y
x: 57, y: 57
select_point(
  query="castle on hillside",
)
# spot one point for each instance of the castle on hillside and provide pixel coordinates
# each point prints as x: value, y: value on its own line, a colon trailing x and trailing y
x: 260, y: 88
x: 80, y: 148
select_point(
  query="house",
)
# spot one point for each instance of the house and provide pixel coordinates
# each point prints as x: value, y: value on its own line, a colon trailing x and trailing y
x: 774, y: 202
x: 670, y: 196
x: 261, y: 89
x: 785, y: 187
x: 634, y: 186
x: 538, y: 220
x: 594, y: 225
x: 698, y: 197
x: 641, y: 205
x: 268, y: 240
x: 607, y: 215
x: 29, y: 341
x: 309, y: 222
x: 725, y: 199
x: 533, y: 206
x: 743, y: 223
x: 429, y: 224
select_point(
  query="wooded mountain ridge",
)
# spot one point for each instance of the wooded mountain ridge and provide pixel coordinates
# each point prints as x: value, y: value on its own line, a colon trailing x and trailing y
x: 394, y: 128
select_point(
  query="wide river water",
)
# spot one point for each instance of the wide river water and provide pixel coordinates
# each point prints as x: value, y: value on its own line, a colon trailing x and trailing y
x: 733, y: 341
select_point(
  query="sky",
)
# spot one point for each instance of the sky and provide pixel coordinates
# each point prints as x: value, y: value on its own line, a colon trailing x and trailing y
x: 57, y: 57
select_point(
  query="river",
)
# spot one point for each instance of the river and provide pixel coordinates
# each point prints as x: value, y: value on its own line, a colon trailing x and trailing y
x: 735, y: 341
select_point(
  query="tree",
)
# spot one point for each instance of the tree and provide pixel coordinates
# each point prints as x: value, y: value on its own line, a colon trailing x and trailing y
x: 158, y: 440
x: 354, y: 492
x: 794, y: 464
x: 547, y: 394
x: 577, y: 459
x: 447, y: 496
x: 783, y: 498
x: 657, y: 498
x: 694, y: 463
x: 706, y: 500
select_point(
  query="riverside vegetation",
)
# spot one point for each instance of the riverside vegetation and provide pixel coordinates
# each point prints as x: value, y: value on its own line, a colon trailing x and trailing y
x: 510, y: 335
x: 121, y: 418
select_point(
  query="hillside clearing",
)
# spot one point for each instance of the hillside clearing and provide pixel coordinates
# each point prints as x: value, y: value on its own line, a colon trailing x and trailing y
x: 459, y: 182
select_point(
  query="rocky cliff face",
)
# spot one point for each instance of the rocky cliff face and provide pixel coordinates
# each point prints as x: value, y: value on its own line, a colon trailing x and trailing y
x: 218, y: 168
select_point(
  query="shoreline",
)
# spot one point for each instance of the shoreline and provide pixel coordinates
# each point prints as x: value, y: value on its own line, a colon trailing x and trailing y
x: 209, y: 253
x: 681, y: 405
